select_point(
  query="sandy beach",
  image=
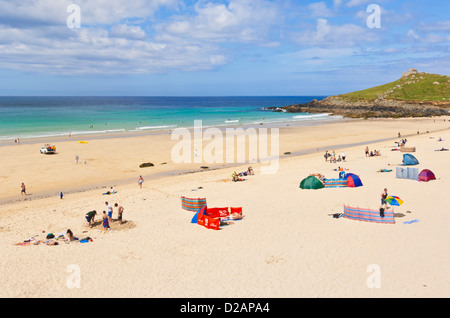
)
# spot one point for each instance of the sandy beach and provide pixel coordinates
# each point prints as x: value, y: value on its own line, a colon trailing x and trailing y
x: 287, y: 245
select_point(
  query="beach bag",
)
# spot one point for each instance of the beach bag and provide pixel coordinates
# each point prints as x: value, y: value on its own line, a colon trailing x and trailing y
x: 50, y: 236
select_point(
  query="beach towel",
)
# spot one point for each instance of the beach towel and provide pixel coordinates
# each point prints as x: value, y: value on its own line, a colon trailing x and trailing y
x: 335, y: 183
x: 109, y: 193
x: 368, y: 215
x: 192, y: 205
x: 410, y: 222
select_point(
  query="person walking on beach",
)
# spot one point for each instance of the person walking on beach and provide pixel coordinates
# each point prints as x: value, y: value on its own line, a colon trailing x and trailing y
x: 343, y: 156
x: 384, y: 195
x: 23, y: 190
x: 326, y: 155
x: 76, y: 158
x: 119, y: 212
x: 108, y: 206
x: 140, y: 181
x: 367, y: 151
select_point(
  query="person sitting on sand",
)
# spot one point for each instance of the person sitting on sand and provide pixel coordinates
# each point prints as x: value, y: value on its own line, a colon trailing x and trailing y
x: 70, y: 236
x: 105, y: 221
x: 119, y: 212
x: 321, y: 177
x: 90, y: 216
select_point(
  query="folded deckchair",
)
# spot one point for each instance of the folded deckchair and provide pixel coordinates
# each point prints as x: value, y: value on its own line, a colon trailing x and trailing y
x: 193, y: 205
x: 368, y: 215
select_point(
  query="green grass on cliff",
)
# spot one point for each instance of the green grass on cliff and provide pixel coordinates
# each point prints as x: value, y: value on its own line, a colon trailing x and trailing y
x: 418, y: 87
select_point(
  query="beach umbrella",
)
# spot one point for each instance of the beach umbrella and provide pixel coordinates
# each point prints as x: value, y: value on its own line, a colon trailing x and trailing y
x: 394, y: 200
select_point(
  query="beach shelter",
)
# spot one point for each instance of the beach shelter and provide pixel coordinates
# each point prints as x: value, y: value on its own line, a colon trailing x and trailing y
x: 201, y: 211
x: 410, y: 160
x: 311, y: 182
x: 353, y: 181
x: 192, y: 204
x: 426, y: 175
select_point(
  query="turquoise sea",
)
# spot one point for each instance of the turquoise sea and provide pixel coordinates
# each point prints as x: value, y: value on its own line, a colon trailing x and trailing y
x: 33, y: 117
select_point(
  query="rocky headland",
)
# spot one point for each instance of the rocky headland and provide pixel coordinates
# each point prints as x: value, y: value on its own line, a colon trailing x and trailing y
x: 413, y: 95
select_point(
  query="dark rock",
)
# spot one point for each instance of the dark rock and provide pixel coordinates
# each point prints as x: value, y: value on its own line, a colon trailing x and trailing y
x: 146, y: 164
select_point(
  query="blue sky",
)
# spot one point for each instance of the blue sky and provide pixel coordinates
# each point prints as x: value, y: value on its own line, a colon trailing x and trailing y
x: 206, y: 47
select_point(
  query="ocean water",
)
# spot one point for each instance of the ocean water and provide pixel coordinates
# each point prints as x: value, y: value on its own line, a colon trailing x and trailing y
x: 33, y: 117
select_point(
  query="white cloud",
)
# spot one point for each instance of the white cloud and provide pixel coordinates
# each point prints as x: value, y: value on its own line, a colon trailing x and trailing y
x: 354, y: 3
x: 239, y: 21
x: 436, y: 26
x: 319, y: 9
x: 327, y: 35
x: 128, y: 32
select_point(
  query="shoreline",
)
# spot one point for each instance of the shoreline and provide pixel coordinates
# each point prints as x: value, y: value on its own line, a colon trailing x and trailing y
x: 184, y: 170
x: 126, y: 134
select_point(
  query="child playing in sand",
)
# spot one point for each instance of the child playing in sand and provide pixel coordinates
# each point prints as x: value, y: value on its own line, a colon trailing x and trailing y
x: 105, y: 221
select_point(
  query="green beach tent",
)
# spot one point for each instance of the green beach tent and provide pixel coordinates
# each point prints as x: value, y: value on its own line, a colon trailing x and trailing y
x: 311, y: 182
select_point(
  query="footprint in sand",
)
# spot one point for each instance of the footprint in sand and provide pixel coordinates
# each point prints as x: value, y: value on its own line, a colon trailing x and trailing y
x: 273, y: 260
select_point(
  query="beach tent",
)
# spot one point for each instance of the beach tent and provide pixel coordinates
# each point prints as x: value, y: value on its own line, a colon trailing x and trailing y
x: 409, y: 160
x: 426, y: 175
x: 353, y: 181
x: 311, y: 182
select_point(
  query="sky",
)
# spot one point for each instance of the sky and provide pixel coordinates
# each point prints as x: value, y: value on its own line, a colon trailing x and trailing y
x: 216, y: 47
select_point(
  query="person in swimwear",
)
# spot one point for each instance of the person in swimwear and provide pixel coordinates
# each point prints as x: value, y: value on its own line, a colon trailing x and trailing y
x: 140, y: 181
x: 119, y: 212
x: 105, y: 221
x: 23, y: 191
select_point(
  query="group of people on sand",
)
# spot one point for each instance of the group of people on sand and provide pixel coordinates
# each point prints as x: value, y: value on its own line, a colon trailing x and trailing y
x: 106, y: 216
x: 402, y: 142
x: 235, y: 176
x: 333, y: 158
x: 372, y: 153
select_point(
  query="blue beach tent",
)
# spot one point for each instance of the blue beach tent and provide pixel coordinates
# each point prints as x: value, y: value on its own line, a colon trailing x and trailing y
x: 409, y: 160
